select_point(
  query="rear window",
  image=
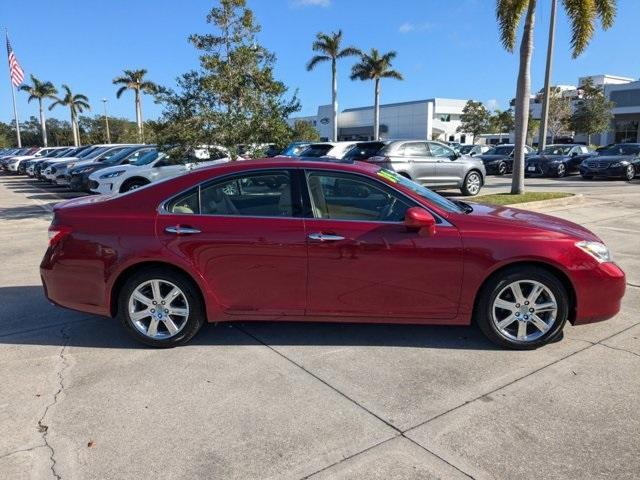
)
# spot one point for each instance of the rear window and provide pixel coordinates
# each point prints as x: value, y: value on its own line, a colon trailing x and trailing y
x: 316, y: 151
x: 362, y: 151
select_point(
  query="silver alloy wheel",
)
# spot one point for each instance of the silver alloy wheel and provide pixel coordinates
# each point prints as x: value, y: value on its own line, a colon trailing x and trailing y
x: 158, y: 309
x: 524, y: 311
x: 502, y: 168
x: 630, y: 172
x: 473, y: 183
x: 561, y: 170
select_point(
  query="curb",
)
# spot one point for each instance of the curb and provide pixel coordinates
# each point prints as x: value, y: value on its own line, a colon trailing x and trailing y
x: 575, y: 199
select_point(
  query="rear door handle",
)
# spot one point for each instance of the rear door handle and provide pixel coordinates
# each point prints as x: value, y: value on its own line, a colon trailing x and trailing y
x: 324, y: 237
x: 179, y: 230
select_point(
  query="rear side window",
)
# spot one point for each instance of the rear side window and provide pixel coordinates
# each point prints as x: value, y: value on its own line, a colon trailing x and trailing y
x: 415, y: 149
x: 187, y: 203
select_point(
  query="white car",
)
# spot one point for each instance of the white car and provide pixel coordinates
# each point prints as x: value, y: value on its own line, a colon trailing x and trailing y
x: 149, y: 168
x: 327, y: 149
x: 13, y: 165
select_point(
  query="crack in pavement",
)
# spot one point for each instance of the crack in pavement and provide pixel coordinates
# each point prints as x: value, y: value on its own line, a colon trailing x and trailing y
x: 43, y: 427
x: 22, y: 450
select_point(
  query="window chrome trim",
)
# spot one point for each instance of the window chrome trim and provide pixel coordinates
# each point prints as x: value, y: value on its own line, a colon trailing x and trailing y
x: 162, y: 210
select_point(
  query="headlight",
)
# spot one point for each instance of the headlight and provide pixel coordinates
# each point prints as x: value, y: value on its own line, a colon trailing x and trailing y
x: 619, y: 164
x: 597, y: 250
x: 83, y: 170
x: 112, y: 174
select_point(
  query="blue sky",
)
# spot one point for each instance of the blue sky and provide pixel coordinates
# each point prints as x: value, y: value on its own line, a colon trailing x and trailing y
x: 445, y: 48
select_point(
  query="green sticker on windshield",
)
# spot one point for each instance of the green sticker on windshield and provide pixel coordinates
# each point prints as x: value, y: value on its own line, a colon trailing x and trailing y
x: 392, y: 177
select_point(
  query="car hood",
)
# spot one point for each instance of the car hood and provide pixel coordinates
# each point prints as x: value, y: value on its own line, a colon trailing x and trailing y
x: 492, y: 218
x: 614, y: 158
x: 114, y: 168
x: 548, y: 158
x: 491, y: 158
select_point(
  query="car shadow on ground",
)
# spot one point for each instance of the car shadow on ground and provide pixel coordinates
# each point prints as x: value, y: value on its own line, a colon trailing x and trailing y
x: 29, y: 319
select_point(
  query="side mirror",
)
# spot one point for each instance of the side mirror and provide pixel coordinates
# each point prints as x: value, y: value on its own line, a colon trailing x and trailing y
x: 420, y: 219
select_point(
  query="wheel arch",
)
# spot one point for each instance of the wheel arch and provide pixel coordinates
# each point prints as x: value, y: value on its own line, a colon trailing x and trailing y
x: 133, y: 179
x: 553, y: 269
x: 130, y: 270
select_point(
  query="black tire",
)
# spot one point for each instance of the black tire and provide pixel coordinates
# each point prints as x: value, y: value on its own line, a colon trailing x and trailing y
x: 194, y: 321
x: 133, y: 184
x: 483, y: 314
x: 405, y: 175
x: 468, y: 188
x: 502, y: 168
x: 629, y: 173
x: 562, y: 171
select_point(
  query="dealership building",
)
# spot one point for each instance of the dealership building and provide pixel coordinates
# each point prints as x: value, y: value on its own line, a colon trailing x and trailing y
x: 435, y: 118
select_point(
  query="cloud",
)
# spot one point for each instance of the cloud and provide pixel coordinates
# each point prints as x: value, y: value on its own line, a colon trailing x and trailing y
x: 492, y: 104
x: 310, y: 3
x: 407, y: 27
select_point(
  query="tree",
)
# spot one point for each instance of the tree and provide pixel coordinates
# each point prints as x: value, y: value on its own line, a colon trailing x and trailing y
x: 474, y: 119
x: 329, y: 47
x: 134, y: 80
x: 232, y: 98
x: 121, y: 130
x: 39, y: 90
x: 303, y: 131
x: 77, y: 104
x: 559, y: 121
x: 533, y: 127
x: 582, y: 17
x: 375, y: 66
x: 501, y: 122
x: 593, y: 112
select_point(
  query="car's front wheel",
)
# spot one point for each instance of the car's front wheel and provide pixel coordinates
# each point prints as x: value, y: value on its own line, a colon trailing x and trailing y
x: 472, y: 184
x: 629, y: 172
x: 161, y: 308
x: 523, y: 308
x: 561, y: 171
x: 502, y: 168
x: 133, y: 184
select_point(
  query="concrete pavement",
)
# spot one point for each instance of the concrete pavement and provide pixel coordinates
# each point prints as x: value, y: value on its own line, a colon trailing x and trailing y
x: 79, y: 399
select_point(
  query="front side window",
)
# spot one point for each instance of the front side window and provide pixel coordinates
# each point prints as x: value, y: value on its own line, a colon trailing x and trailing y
x: 341, y: 196
x: 264, y: 194
x: 440, y: 151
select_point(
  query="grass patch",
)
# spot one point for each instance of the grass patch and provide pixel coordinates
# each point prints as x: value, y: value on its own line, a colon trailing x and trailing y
x: 509, y: 199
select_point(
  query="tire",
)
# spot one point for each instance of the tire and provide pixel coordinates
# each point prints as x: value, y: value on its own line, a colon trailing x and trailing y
x: 405, y: 175
x: 629, y: 173
x: 188, y: 302
x: 562, y: 171
x: 133, y: 184
x: 503, y: 325
x: 502, y: 168
x: 472, y: 184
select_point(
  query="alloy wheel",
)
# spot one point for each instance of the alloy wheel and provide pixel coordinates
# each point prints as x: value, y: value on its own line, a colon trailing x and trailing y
x: 524, y: 311
x: 561, y: 170
x: 473, y: 183
x: 502, y: 168
x: 630, y: 172
x: 158, y: 309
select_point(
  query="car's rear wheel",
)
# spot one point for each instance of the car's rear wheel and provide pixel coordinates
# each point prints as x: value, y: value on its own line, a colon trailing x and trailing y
x: 133, y: 184
x: 161, y: 308
x: 523, y: 308
x: 629, y: 172
x: 561, y: 171
x: 472, y: 184
x: 502, y: 168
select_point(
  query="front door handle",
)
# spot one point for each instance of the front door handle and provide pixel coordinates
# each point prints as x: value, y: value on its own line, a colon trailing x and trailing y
x: 179, y: 230
x: 324, y: 237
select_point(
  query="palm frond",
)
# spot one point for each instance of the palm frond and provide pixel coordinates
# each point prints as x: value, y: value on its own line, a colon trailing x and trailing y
x: 317, y: 59
x: 121, y: 90
x: 80, y: 98
x: 582, y: 17
x: 607, y: 10
x: 508, y: 14
x: 392, y: 74
x: 349, y: 52
x: 57, y: 102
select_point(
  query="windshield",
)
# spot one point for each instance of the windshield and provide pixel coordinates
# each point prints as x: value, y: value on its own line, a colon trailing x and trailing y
x: 557, y: 150
x: 424, y: 192
x: 621, y: 149
x: 147, y: 158
x: 464, y: 149
x: 500, y: 151
x: 293, y: 150
x: 91, y: 152
x: 315, y: 151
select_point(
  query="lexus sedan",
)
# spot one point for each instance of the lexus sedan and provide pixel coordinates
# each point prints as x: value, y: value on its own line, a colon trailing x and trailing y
x: 616, y: 161
x: 280, y: 239
x: 499, y: 160
x: 557, y: 160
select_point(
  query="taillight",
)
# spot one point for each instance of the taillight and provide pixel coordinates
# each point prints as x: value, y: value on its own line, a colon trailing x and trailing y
x: 57, y: 233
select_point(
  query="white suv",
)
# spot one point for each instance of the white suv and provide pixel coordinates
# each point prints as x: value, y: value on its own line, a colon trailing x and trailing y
x: 149, y: 168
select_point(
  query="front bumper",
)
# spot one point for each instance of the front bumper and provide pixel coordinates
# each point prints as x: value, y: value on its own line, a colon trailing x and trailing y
x: 492, y: 168
x: 610, y: 172
x: 100, y: 187
x: 541, y: 169
x: 599, y: 293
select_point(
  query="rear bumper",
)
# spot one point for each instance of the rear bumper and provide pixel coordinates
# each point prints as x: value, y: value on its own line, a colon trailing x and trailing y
x: 599, y: 293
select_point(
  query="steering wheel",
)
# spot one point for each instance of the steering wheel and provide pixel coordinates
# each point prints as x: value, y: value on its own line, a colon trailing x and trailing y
x: 388, y: 210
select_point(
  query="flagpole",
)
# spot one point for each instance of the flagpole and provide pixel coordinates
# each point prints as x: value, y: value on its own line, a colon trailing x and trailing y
x: 15, y: 111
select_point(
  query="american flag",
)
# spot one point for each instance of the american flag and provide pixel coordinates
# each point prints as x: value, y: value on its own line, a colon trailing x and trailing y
x: 15, y: 70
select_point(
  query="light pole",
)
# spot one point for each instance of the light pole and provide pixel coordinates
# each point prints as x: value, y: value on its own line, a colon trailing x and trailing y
x: 106, y: 120
x: 542, y: 141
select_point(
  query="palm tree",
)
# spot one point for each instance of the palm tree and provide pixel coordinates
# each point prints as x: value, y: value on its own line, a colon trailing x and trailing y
x: 77, y: 104
x: 329, y: 47
x: 40, y: 90
x: 374, y: 66
x: 582, y: 17
x: 134, y: 80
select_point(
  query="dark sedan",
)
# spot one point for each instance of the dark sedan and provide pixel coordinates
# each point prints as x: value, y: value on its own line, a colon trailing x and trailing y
x: 79, y: 176
x: 616, y: 161
x: 557, y: 160
x: 499, y: 160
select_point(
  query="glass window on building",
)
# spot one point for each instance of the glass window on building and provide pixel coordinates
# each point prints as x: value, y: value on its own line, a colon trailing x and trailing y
x: 626, y: 131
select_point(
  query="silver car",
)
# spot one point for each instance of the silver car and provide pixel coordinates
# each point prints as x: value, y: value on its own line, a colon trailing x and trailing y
x: 432, y: 164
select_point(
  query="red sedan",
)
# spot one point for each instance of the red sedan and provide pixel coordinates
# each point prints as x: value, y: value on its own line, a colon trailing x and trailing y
x: 336, y: 242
